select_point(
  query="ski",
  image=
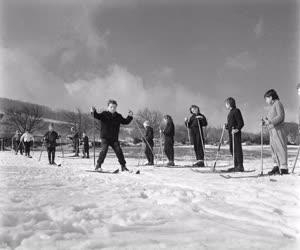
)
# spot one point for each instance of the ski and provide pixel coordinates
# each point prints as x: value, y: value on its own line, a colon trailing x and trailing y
x: 246, y: 176
x: 117, y: 171
x: 219, y: 171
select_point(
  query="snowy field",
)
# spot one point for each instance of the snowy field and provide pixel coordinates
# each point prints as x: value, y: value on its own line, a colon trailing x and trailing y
x: 47, y: 207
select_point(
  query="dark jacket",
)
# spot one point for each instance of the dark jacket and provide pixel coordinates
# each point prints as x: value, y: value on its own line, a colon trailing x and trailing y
x: 169, y: 130
x: 110, y: 124
x: 149, y: 135
x: 192, y: 123
x: 235, y: 120
x: 50, y: 138
x: 85, y: 141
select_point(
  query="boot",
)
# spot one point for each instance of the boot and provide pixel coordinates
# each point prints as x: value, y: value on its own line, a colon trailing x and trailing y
x: 274, y: 171
x: 284, y: 171
x: 124, y: 168
x: 170, y: 164
x: 149, y: 164
x: 240, y: 168
x: 98, y: 167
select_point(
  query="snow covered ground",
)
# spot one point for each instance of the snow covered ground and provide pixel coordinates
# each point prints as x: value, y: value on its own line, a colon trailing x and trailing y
x: 47, y: 207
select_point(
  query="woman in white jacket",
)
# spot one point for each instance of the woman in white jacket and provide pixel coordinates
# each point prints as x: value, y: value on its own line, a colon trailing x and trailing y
x: 27, y: 138
x: 278, y: 139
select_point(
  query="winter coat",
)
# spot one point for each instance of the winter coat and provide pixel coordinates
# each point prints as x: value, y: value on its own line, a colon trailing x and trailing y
x: 169, y: 130
x: 278, y: 138
x: 149, y: 136
x: 27, y: 137
x: 235, y: 120
x: 193, y: 124
x: 50, y: 138
x: 110, y: 124
x: 85, y: 141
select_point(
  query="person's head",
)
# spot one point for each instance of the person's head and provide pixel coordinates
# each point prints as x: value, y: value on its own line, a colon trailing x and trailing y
x: 167, y: 119
x: 26, y: 131
x: 72, y: 129
x: 112, y: 106
x: 271, y: 96
x: 17, y: 132
x: 194, y: 109
x: 51, y: 127
x: 146, y: 124
x: 83, y: 134
x: 230, y: 103
x: 298, y: 89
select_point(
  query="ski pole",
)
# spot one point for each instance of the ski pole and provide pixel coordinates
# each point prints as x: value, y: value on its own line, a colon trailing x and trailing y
x: 94, y: 142
x: 62, y: 152
x: 41, y: 151
x: 295, y: 162
x: 219, y: 148
x: 262, y: 147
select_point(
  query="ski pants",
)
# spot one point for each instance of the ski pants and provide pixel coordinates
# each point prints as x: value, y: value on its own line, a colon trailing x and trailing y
x: 105, y: 143
x: 278, y: 143
x: 198, y: 145
x: 169, y: 148
x: 51, y: 154
x: 18, y: 147
x: 27, y: 145
x: 86, y: 151
x: 238, y: 150
x: 149, y: 151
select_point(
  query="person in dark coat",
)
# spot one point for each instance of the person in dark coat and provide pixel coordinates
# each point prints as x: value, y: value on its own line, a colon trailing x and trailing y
x: 16, y: 143
x: 195, y: 124
x: 234, y: 125
x: 149, y: 143
x: 50, y: 140
x: 76, y: 140
x: 86, y: 146
x: 109, y: 132
x: 169, y: 133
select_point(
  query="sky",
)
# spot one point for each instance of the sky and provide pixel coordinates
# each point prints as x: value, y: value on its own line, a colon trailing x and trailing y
x: 164, y: 55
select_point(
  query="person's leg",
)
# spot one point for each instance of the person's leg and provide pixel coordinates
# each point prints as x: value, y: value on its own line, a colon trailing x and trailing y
x: 167, y: 148
x: 103, y: 152
x: 118, y: 150
x: 49, y: 155
x: 53, y: 155
x: 238, y: 152
x: 151, y: 156
x: 147, y: 153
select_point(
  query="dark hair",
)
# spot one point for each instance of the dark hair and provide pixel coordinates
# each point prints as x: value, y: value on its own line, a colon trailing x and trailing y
x: 272, y: 93
x: 231, y: 102
x: 194, y: 106
x: 168, y: 118
x: 111, y: 101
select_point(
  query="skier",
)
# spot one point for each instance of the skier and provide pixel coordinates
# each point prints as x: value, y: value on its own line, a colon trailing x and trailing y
x: 27, y: 139
x: 50, y: 139
x: 169, y: 132
x: 278, y: 139
x: 86, y: 146
x: 16, y: 143
x: 149, y: 143
x: 196, y: 123
x: 76, y: 140
x: 234, y: 125
x: 109, y: 132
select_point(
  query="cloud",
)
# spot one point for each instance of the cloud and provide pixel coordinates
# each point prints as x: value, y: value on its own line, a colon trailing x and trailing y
x: 259, y: 28
x: 131, y: 93
x: 242, y: 61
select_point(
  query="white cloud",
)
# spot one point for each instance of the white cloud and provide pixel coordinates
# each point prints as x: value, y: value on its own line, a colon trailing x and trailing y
x: 259, y: 28
x: 242, y: 61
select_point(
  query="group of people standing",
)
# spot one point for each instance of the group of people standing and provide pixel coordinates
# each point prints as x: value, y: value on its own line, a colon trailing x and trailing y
x: 274, y: 122
x: 110, y: 125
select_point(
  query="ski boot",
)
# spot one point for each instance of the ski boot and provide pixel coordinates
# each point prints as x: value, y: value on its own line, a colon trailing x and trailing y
x: 274, y: 171
x: 284, y: 171
x: 98, y: 167
x: 124, y: 168
x: 171, y: 164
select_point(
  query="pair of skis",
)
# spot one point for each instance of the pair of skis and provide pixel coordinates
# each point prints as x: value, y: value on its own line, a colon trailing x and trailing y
x: 117, y: 171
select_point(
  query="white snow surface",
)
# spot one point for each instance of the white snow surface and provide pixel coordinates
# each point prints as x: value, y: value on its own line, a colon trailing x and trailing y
x: 50, y: 207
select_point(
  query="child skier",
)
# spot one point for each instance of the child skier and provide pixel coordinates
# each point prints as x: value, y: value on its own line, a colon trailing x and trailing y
x: 234, y: 125
x: 109, y: 133
x: 86, y: 146
x: 278, y: 139
x: 149, y: 143
x: 27, y: 139
x: 16, y: 143
x: 169, y: 132
x: 196, y: 123
x: 50, y: 139
x: 76, y: 140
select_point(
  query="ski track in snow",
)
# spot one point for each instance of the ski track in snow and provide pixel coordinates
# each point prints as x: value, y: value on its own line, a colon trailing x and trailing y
x: 48, y: 207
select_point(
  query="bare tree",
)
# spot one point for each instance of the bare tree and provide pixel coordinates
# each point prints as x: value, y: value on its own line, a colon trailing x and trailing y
x: 153, y: 116
x: 27, y: 117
